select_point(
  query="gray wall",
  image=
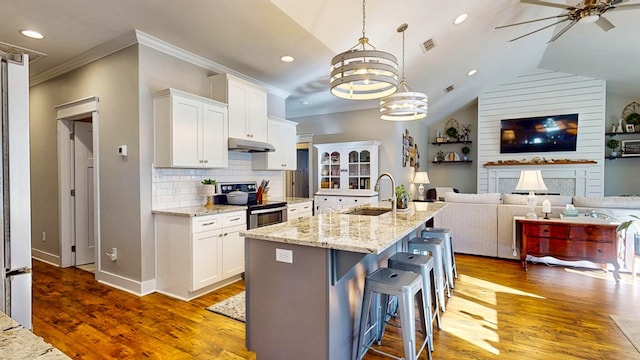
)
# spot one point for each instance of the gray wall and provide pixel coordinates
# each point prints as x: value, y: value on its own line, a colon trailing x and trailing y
x: 114, y: 80
x: 620, y: 175
x: 367, y: 125
x: 461, y: 176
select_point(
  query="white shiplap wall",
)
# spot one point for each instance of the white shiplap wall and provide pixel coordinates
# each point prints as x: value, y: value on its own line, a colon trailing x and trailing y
x: 545, y: 92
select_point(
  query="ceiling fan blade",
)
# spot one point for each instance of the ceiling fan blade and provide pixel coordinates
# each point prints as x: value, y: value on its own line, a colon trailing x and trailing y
x: 545, y: 3
x: 604, y: 24
x: 627, y: 7
x: 556, y: 36
x: 535, y: 31
x: 530, y: 21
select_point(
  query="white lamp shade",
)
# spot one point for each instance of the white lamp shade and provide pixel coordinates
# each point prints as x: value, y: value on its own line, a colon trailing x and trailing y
x: 421, y: 178
x: 531, y: 180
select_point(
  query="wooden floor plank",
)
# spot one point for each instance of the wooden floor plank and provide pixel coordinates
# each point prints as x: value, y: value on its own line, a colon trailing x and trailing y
x: 496, y: 311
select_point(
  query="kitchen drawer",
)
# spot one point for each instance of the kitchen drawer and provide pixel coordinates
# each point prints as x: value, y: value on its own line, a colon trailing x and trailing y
x: 544, y: 230
x: 205, y: 223
x: 592, y: 233
x: 235, y: 218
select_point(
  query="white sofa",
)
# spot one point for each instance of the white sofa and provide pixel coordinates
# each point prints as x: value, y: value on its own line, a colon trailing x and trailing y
x: 482, y: 224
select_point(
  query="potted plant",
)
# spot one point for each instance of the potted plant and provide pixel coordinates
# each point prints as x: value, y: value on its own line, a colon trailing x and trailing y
x: 209, y: 187
x: 636, y: 237
x: 402, y: 197
x: 440, y: 156
x: 633, y: 118
x: 465, y: 151
x: 466, y: 130
x: 613, y: 145
x: 452, y: 132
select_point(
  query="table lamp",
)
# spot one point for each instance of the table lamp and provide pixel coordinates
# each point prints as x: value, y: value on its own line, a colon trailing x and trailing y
x: 531, y: 180
x: 421, y: 178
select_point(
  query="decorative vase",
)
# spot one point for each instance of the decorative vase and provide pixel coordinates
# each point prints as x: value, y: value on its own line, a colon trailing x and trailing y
x: 465, y: 158
x: 614, y: 154
x: 620, y: 129
x: 208, y: 189
x: 402, y: 202
x: 636, y: 240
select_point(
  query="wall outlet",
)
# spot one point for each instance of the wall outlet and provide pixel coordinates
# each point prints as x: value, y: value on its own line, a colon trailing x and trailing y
x: 44, y: 236
x: 285, y: 256
x: 113, y: 255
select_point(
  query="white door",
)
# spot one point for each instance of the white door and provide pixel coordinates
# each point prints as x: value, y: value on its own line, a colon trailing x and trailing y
x: 83, y: 174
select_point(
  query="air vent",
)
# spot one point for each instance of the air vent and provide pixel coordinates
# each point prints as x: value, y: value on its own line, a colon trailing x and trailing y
x: 448, y: 89
x: 428, y: 45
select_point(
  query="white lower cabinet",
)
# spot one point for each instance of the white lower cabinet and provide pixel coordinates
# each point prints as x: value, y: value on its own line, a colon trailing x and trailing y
x: 298, y: 210
x: 196, y: 255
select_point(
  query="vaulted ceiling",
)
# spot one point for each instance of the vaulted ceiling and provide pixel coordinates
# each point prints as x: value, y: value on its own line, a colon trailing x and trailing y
x: 250, y: 36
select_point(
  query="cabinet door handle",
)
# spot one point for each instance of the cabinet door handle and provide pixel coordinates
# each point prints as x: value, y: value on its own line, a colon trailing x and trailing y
x: 206, y: 161
x: 209, y: 223
x: 235, y: 219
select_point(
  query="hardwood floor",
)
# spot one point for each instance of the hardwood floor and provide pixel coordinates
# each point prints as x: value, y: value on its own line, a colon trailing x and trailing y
x: 496, y: 311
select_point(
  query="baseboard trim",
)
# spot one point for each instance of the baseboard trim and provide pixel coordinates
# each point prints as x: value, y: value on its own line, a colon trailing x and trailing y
x: 127, y: 285
x: 45, y: 257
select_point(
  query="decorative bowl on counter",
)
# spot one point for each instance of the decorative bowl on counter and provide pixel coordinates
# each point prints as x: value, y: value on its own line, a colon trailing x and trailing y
x: 237, y: 197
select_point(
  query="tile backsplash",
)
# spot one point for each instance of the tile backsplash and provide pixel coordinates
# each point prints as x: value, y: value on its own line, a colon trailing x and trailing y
x: 173, y: 188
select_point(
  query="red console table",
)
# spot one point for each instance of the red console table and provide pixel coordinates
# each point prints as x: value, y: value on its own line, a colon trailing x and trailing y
x: 584, y: 239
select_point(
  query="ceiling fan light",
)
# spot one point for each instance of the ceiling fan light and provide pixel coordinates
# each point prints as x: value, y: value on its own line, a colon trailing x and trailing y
x: 588, y: 16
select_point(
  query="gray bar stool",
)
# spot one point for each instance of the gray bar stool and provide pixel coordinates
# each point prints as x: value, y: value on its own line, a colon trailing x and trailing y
x: 450, y: 258
x: 405, y: 285
x: 423, y: 265
x: 435, y: 248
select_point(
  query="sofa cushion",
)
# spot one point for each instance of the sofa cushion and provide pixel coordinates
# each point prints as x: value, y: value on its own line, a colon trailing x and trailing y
x: 614, y: 202
x: 516, y: 199
x: 490, y: 198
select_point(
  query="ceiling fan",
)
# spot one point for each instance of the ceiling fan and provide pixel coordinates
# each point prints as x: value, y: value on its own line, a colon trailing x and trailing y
x: 586, y: 11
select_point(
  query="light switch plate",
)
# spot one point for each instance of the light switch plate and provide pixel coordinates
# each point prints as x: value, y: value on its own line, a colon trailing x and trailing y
x: 285, y: 256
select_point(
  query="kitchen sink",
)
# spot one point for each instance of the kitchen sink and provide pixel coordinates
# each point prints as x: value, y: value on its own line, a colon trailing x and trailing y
x: 368, y: 212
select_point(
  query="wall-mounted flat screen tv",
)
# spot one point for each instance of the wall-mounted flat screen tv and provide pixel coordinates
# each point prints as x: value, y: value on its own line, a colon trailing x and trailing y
x: 539, y: 134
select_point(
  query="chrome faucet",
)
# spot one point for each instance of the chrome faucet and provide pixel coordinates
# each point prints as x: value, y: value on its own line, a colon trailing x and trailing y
x: 393, y: 198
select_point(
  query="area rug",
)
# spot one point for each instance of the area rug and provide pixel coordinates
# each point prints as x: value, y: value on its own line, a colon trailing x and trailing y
x: 233, y: 307
x: 630, y: 328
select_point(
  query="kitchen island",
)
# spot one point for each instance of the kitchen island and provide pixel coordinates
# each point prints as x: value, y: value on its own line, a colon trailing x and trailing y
x: 17, y: 342
x: 305, y: 278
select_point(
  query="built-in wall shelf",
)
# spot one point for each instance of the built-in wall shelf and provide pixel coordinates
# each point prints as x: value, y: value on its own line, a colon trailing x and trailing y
x: 452, y: 161
x: 622, y: 157
x: 451, y: 142
x: 625, y: 133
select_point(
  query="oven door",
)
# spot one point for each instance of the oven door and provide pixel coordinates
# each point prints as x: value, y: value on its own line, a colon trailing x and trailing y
x: 263, y: 217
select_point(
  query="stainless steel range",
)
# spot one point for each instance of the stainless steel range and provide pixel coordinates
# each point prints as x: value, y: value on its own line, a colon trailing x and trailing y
x: 258, y: 214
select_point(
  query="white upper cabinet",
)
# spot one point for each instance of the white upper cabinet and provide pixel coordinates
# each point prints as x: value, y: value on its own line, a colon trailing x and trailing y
x: 247, y: 106
x: 189, y: 131
x: 282, y: 135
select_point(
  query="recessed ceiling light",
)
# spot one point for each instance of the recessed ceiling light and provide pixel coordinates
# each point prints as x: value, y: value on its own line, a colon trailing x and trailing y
x: 32, y: 34
x: 287, y: 58
x: 460, y: 19
x: 472, y: 72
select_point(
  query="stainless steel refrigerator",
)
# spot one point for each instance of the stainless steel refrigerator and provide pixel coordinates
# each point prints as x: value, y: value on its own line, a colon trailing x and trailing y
x: 15, y: 213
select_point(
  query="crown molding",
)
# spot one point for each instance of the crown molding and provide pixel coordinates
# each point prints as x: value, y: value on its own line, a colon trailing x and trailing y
x: 138, y: 37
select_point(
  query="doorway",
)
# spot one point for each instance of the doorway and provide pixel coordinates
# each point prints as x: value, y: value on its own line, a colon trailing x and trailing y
x: 78, y: 185
x: 298, y: 182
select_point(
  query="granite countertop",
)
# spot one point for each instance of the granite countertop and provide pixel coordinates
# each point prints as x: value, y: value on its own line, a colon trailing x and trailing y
x: 16, y: 342
x: 296, y: 200
x: 200, y: 210
x: 357, y: 233
x: 219, y: 208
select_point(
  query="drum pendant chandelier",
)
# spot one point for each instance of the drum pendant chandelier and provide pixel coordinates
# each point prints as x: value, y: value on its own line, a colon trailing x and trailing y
x: 405, y: 104
x: 361, y: 74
